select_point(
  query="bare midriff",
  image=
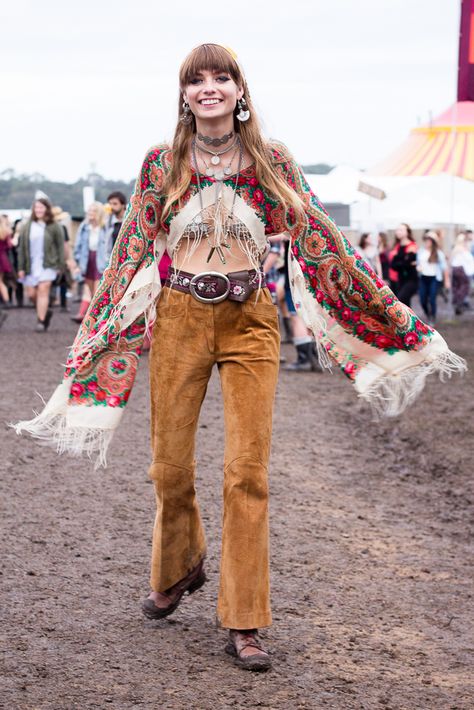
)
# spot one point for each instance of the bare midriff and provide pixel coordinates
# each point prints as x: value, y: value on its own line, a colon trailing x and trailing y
x: 196, y: 263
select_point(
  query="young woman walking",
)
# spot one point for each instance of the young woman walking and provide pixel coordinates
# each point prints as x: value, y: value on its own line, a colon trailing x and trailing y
x: 212, y: 199
x: 40, y: 258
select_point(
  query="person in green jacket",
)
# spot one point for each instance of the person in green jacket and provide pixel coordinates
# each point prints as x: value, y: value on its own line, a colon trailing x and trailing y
x: 40, y: 258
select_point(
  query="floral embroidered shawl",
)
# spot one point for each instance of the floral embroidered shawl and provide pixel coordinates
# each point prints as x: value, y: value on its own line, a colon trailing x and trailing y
x: 379, y: 343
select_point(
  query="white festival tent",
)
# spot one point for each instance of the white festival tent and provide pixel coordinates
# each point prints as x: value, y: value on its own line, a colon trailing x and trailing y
x: 424, y: 201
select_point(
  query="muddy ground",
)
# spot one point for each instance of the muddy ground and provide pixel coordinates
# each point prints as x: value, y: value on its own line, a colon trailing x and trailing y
x: 372, y: 564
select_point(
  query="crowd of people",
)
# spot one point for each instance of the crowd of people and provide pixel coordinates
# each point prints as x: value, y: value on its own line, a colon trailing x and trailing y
x: 38, y: 266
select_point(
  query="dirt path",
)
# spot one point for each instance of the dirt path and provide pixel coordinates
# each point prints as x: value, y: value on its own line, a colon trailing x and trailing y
x: 372, y: 572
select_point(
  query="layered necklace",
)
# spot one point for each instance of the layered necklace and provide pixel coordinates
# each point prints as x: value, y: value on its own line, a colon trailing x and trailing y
x: 222, y: 222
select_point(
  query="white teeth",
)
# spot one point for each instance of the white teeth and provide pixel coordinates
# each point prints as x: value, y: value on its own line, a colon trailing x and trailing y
x: 209, y: 102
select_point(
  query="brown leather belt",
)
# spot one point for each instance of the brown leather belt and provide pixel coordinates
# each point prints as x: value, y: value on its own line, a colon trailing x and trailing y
x: 213, y: 286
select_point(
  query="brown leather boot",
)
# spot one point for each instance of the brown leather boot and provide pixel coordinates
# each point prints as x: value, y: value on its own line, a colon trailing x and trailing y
x: 171, y: 598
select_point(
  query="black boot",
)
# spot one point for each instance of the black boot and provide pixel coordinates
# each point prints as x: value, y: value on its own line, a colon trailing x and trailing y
x: 288, y: 338
x: 307, y: 360
x: 47, y: 318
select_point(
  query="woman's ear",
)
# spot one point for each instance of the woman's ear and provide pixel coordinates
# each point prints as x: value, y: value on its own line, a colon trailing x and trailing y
x: 240, y: 92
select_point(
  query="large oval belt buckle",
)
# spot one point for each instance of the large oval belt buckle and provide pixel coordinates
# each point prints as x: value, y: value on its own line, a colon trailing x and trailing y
x: 199, y: 287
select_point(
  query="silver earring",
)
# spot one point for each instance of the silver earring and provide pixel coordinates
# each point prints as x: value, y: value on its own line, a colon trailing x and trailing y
x: 186, y: 117
x: 244, y: 113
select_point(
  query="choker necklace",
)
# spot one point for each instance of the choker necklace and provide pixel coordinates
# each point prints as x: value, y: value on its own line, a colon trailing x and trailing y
x: 216, y: 142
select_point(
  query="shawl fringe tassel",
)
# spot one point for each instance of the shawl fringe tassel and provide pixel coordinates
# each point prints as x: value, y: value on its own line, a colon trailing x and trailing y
x: 390, y: 394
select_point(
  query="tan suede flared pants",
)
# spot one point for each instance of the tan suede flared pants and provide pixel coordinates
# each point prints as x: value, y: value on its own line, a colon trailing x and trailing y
x: 189, y: 337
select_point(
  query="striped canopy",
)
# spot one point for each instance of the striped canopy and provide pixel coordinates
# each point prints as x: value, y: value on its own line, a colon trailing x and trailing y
x: 445, y: 146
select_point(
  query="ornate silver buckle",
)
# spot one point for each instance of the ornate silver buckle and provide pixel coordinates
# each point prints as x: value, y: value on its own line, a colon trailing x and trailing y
x: 197, y: 284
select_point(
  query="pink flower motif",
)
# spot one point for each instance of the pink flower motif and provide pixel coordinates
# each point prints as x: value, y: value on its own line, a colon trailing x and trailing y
x: 360, y: 329
x: 383, y: 341
x: 77, y: 389
x: 302, y: 263
x: 346, y: 313
x: 410, y: 339
x: 258, y: 195
x: 113, y: 401
x: 319, y: 296
x: 339, y: 303
x: 312, y: 270
x: 349, y: 368
x: 294, y: 249
x: 92, y: 386
x: 253, y: 182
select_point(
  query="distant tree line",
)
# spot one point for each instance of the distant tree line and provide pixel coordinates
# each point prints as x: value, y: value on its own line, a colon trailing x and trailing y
x: 17, y: 191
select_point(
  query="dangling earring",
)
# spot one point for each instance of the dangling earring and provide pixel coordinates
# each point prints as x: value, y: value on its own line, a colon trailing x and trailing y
x: 244, y: 113
x: 186, y: 117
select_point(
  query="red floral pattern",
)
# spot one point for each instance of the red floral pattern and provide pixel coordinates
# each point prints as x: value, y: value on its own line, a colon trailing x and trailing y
x: 104, y: 357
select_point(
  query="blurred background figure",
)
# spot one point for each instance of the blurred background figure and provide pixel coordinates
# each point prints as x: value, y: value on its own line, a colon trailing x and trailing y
x: 64, y: 279
x: 384, y: 255
x: 116, y: 203
x: 462, y: 271
x: 433, y: 271
x: 369, y: 250
x: 393, y: 273
x: 306, y: 354
x: 7, y: 274
x: 91, y: 253
x: 40, y: 258
x: 17, y: 288
x: 403, y: 262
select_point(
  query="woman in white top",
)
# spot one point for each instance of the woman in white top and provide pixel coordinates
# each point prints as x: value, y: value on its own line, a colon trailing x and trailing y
x: 40, y: 258
x: 462, y: 270
x: 91, y: 251
x: 433, y: 271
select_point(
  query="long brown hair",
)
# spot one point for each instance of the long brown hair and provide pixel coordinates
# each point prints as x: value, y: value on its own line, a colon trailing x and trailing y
x: 214, y: 57
x: 433, y: 237
x: 48, y: 216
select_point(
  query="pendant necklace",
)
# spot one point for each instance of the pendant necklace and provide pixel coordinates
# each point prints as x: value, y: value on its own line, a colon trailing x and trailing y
x: 220, y: 172
x: 216, y: 155
x: 218, y: 247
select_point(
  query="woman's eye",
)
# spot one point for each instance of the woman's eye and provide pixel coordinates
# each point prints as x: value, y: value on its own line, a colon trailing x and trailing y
x: 195, y: 81
x: 223, y: 78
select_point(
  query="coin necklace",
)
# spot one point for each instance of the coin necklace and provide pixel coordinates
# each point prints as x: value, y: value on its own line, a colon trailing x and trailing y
x: 216, y: 155
x: 218, y: 248
x: 220, y: 172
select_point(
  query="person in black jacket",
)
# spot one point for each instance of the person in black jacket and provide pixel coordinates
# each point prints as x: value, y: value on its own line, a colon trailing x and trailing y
x: 404, y: 263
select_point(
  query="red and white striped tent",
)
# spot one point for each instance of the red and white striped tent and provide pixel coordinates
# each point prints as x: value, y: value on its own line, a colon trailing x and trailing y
x: 446, y: 145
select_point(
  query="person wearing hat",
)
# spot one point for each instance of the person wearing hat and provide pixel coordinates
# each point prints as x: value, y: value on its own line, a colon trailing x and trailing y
x: 433, y: 272
x: 212, y: 199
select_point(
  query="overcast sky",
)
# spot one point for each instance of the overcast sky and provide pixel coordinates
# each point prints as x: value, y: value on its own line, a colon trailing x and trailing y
x: 339, y: 81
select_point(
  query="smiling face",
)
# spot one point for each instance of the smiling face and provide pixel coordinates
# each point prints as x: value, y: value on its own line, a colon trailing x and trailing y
x: 212, y: 94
